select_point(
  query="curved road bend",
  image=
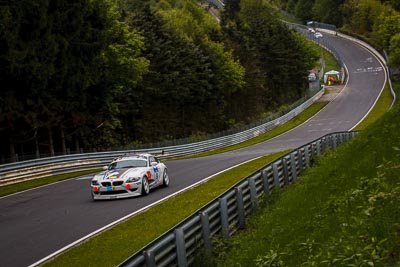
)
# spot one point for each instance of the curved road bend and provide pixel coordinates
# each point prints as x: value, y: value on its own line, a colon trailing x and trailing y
x: 38, y: 222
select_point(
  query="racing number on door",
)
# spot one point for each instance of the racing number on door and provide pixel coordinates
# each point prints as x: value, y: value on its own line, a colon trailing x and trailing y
x: 156, y: 172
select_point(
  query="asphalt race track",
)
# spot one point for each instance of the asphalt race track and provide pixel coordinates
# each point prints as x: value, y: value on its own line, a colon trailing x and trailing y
x: 38, y: 222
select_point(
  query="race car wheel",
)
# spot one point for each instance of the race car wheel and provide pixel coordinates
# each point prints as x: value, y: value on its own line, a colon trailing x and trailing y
x: 165, y: 178
x: 145, y: 186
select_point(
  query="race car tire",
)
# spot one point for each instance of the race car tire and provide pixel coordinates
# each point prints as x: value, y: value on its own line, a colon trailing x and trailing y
x: 145, y: 186
x: 165, y: 178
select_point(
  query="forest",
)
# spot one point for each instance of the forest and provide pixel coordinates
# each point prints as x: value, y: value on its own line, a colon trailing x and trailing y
x: 93, y: 75
x: 96, y: 75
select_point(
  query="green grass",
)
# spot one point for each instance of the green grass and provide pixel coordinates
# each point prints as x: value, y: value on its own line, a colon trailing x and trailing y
x: 330, y: 62
x: 128, y: 237
x: 342, y: 212
x: 381, y: 107
x: 21, y: 186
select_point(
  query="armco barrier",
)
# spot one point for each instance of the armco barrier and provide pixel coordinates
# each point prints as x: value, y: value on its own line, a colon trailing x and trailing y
x: 38, y: 168
x: 226, y: 214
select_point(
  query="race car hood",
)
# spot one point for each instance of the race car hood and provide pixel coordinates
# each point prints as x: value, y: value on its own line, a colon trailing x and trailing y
x: 124, y: 173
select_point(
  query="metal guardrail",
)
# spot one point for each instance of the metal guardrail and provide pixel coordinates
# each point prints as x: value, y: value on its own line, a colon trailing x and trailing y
x: 38, y: 168
x: 226, y: 214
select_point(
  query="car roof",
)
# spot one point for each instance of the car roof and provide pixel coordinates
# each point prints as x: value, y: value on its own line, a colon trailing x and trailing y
x: 132, y: 156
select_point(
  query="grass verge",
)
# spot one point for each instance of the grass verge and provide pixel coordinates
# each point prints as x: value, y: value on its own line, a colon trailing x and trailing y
x: 330, y: 61
x: 128, y: 237
x: 342, y: 212
x: 381, y: 107
x: 25, y: 185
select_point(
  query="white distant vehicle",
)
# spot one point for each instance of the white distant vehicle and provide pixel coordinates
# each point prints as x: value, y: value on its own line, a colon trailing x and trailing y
x: 311, y: 30
x: 129, y: 176
x: 312, y: 77
x: 318, y: 35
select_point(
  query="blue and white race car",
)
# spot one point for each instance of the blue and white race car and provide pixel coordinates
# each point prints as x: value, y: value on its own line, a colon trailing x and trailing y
x: 129, y: 176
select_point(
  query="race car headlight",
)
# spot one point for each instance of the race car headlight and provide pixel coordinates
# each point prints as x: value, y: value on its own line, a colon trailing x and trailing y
x: 95, y: 182
x: 132, y: 179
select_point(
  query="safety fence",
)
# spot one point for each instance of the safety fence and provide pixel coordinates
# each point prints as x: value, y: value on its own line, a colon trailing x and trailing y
x: 227, y: 214
x: 44, y: 167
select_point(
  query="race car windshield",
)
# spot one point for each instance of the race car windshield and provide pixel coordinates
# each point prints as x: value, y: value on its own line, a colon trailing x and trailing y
x: 127, y: 164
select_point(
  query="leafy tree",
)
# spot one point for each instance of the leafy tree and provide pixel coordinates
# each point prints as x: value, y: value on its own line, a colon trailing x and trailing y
x: 387, y: 24
x: 394, y: 51
x: 394, y: 3
x: 328, y: 11
x: 303, y: 9
x: 274, y: 60
x: 291, y: 6
x: 55, y: 57
x: 360, y: 16
x: 230, y: 10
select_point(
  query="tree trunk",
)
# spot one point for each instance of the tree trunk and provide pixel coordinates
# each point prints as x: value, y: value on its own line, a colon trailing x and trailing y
x: 63, y: 147
x: 37, y: 145
x: 12, y: 149
x: 77, y: 144
x: 51, y: 143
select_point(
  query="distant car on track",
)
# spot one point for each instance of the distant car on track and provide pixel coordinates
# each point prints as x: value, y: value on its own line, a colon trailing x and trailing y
x: 318, y: 35
x: 129, y: 176
x: 311, y: 30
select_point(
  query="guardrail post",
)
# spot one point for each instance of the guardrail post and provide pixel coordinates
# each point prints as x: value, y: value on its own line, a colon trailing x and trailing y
x: 253, y: 191
x: 205, y: 228
x: 319, y: 147
x: 346, y: 137
x: 180, y: 247
x: 327, y: 142
x: 285, y: 171
x: 300, y: 157
x: 223, y: 205
x: 293, y: 165
x: 334, y: 143
x: 307, y: 155
x: 240, y: 208
x: 340, y: 138
x: 264, y: 174
x: 323, y: 144
x: 150, y: 258
x: 312, y: 150
x: 276, y: 175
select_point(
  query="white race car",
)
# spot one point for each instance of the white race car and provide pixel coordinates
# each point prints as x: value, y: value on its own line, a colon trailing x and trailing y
x: 129, y: 176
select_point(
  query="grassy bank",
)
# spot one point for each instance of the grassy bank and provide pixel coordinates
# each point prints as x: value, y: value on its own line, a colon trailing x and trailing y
x: 342, y: 212
x: 380, y: 108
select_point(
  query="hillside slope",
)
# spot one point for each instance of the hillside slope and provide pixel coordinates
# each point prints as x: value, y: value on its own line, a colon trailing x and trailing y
x: 342, y: 212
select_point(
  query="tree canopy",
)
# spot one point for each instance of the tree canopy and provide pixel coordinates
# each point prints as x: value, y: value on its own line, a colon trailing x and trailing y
x: 101, y: 74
